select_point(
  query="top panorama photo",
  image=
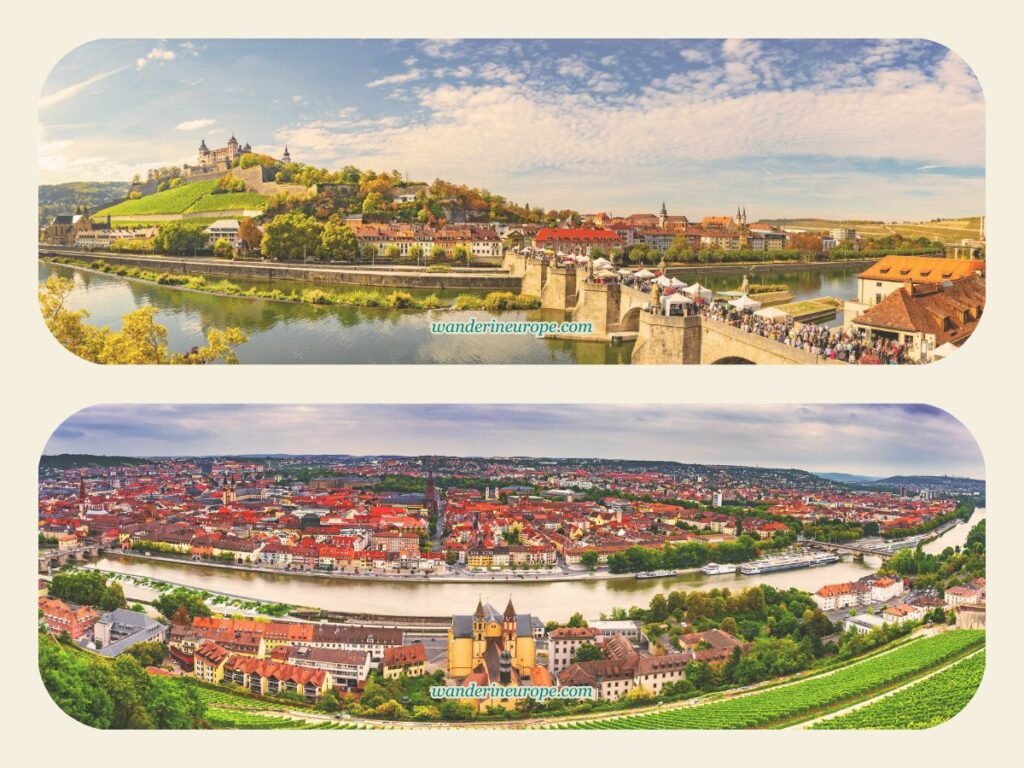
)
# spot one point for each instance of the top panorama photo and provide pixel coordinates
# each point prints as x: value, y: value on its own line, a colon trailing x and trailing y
x: 815, y: 202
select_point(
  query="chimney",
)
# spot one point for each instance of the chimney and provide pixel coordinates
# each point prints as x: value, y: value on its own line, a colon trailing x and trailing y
x: 908, y: 286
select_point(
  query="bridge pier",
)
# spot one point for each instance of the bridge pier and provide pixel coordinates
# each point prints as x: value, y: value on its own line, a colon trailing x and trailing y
x: 667, y: 340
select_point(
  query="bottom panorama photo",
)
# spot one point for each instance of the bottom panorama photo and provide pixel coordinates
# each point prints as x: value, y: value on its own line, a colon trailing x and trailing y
x: 543, y: 567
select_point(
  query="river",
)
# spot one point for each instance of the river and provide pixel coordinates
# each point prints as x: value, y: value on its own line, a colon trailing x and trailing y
x: 549, y: 600
x: 280, y: 332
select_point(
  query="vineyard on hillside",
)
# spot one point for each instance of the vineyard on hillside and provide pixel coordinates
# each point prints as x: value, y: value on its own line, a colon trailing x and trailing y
x: 923, y: 705
x: 194, y: 197
x: 803, y: 700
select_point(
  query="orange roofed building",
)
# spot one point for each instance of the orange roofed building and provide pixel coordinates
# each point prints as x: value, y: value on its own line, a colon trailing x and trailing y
x: 925, y: 317
x: 891, y: 273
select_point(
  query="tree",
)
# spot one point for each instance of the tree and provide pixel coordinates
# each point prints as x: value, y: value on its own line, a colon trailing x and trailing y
x: 588, y: 652
x: 169, y: 604
x: 149, y: 654
x: 416, y: 253
x: 181, y: 237
x: 392, y: 252
x: 438, y: 253
x: 729, y: 625
x: 589, y: 559
x: 338, y: 241
x: 222, y: 248
x: 659, y: 607
x: 249, y: 235
x: 460, y: 253
x: 140, y: 341
x: 373, y: 203
x: 576, y: 621
x: 291, y: 237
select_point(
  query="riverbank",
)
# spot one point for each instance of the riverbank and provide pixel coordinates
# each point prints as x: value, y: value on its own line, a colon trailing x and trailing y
x: 483, y: 578
x: 676, y: 270
x: 496, y: 301
x: 482, y: 279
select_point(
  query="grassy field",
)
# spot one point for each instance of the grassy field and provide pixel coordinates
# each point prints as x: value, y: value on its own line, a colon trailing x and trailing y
x: 809, y: 306
x: 196, y: 197
x: 950, y: 231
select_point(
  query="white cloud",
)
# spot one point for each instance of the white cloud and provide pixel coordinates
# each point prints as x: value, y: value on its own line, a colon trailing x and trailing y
x: 608, y: 60
x: 439, y: 49
x: 402, y: 77
x: 195, y: 125
x: 409, y: 61
x: 156, y: 54
x: 694, y: 56
x: 573, y: 66
x: 560, y: 147
x: 74, y: 89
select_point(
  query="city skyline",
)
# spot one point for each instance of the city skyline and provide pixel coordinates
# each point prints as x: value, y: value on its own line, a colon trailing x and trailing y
x: 829, y: 128
x: 876, y: 440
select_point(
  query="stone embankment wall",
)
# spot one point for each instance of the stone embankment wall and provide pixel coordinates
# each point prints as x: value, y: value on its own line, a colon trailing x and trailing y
x: 273, y: 272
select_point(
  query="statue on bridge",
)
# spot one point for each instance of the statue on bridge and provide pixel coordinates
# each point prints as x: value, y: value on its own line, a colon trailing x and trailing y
x: 745, y: 286
x: 656, y: 298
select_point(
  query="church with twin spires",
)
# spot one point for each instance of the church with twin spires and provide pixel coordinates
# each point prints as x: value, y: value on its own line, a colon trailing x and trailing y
x: 491, y: 647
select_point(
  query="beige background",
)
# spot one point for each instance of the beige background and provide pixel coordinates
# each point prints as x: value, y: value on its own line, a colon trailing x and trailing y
x: 44, y: 384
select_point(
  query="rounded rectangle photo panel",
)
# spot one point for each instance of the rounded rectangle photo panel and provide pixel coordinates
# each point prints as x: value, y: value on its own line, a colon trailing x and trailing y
x: 553, y: 567
x: 527, y: 201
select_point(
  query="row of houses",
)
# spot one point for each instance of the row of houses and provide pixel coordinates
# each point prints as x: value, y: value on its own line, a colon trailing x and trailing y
x: 306, y: 658
x: 624, y: 668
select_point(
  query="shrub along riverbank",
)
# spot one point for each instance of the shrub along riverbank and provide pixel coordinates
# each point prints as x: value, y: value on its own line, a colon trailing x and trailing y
x: 494, y: 301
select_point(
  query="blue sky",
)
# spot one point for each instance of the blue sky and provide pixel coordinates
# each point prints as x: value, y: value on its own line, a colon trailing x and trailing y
x: 861, y: 439
x: 880, y: 129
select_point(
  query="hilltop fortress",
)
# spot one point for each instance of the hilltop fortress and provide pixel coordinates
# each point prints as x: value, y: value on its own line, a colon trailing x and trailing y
x: 213, y: 163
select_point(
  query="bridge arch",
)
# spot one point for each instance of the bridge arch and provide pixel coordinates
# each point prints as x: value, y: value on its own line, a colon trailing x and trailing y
x: 733, y: 360
x: 631, y: 320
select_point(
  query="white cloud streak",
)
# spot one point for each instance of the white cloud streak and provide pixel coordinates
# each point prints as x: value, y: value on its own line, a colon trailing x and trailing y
x: 74, y: 89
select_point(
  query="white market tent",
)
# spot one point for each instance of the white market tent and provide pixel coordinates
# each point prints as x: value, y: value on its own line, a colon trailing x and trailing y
x: 772, y: 313
x: 625, y: 272
x: 744, y: 302
x: 606, y: 273
x: 677, y: 283
x: 663, y: 281
x: 644, y: 274
x: 602, y: 262
x: 945, y: 350
x: 698, y: 290
x: 673, y: 300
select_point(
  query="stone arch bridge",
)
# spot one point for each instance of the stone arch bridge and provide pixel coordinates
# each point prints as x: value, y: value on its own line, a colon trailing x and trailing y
x: 613, y: 309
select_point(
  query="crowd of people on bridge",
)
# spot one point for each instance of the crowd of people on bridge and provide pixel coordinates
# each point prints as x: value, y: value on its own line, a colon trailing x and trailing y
x: 848, y: 345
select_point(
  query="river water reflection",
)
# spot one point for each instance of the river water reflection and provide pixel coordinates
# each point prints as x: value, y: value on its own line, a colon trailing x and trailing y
x: 280, y: 332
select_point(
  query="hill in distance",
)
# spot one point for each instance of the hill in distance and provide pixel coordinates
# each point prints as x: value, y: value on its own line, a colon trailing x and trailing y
x: 950, y: 231
x: 844, y: 477
x: 56, y: 199
x: 73, y: 460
